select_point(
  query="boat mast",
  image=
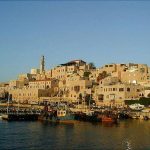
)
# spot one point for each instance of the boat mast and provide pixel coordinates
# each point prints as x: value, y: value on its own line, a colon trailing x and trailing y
x: 18, y: 107
x: 8, y: 103
x: 90, y: 102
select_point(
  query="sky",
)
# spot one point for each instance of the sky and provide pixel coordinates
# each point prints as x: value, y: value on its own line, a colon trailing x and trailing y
x: 95, y: 31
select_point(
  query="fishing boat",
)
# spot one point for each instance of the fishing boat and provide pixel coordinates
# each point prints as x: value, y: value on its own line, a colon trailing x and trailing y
x: 107, y: 119
x: 110, y: 118
x: 134, y: 115
x: 18, y: 116
x: 136, y: 106
x: 58, y: 116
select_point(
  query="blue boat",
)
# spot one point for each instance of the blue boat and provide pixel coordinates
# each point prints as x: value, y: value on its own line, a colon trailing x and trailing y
x: 57, y: 116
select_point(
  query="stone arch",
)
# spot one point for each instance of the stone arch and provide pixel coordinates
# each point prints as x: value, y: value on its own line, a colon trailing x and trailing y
x: 148, y: 95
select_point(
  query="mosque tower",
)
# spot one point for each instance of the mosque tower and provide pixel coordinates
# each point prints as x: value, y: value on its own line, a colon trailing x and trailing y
x: 42, y: 65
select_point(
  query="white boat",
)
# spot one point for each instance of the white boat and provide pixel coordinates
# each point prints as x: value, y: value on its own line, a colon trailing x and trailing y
x: 136, y: 106
x: 145, y: 111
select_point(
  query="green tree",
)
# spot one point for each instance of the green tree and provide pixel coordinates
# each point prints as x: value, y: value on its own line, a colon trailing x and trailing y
x: 92, y: 65
x: 102, y: 76
x: 86, y: 74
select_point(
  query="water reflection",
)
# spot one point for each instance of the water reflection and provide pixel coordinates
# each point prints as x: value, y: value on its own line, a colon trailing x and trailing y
x: 127, y: 144
x: 127, y: 135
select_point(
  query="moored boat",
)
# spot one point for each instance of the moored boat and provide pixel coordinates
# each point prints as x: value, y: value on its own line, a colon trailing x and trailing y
x: 0, y: 116
x: 107, y: 119
x: 57, y: 116
x: 136, y: 106
x: 20, y: 117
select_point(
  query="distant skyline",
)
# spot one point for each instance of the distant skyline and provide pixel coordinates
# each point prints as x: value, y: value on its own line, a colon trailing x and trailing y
x: 95, y: 31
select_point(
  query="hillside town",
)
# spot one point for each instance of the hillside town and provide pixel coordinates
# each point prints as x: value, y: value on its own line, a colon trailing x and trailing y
x: 78, y: 81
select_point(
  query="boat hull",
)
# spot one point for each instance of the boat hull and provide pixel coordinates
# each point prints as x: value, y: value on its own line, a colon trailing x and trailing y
x: 20, y: 117
x: 55, y: 119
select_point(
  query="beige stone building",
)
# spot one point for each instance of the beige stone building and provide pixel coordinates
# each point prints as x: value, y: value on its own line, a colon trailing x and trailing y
x: 73, y: 86
x: 35, y: 90
x: 110, y: 83
x: 29, y: 95
x: 128, y: 73
x: 116, y: 92
x: 16, y: 84
x: 2, y: 92
x: 136, y: 73
x: 44, y: 84
x: 60, y: 72
x: 110, y: 69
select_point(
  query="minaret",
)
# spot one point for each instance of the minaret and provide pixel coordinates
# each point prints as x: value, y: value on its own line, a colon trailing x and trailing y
x: 42, y: 65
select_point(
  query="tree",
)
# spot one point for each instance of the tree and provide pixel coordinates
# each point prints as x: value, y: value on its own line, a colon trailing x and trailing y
x: 80, y: 98
x: 102, y: 76
x: 88, y: 99
x: 92, y: 65
x: 6, y: 95
x: 86, y: 74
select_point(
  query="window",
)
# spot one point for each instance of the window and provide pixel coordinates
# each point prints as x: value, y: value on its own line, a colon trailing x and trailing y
x: 114, y: 89
x: 121, y: 89
x: 128, y: 89
x: 138, y: 90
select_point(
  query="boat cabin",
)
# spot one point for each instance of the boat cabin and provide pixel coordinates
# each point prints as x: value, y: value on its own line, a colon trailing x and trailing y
x: 61, y: 113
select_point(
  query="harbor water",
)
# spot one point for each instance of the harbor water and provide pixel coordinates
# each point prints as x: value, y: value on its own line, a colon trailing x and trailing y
x: 127, y: 135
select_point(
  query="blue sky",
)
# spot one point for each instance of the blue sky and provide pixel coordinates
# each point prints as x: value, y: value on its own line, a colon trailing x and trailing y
x: 100, y: 32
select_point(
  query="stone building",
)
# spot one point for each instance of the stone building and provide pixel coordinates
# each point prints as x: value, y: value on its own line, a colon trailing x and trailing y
x: 44, y: 84
x: 75, y: 85
x: 136, y: 73
x: 60, y: 72
x: 110, y: 83
x: 112, y: 91
x: 29, y: 95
